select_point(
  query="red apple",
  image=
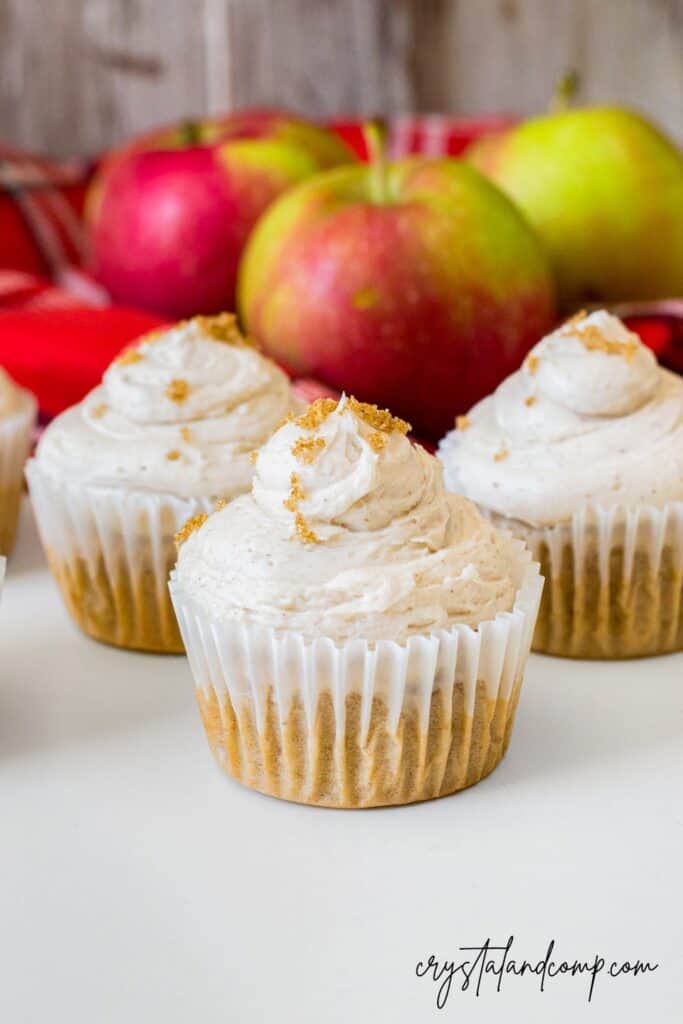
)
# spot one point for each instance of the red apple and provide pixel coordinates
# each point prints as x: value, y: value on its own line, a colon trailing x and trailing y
x: 416, y: 285
x: 170, y: 213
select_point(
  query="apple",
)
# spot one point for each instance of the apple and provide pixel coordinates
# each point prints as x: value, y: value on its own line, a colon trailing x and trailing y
x: 604, y: 190
x: 416, y: 285
x: 169, y: 214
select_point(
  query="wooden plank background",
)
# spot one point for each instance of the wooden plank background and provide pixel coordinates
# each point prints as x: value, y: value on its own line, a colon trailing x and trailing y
x: 79, y: 75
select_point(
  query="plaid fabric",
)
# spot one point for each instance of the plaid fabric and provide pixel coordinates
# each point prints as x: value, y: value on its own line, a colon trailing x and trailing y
x: 41, y: 228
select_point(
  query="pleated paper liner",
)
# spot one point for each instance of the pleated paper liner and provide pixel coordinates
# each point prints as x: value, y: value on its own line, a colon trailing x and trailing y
x: 614, y: 582
x: 111, y: 552
x: 360, y: 724
x: 15, y: 444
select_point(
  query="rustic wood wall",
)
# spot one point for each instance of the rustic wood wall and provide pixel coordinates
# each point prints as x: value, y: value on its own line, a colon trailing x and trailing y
x: 78, y: 75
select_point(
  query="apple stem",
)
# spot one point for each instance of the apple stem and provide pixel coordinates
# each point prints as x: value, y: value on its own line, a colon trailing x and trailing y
x: 565, y: 91
x: 190, y: 132
x: 374, y: 134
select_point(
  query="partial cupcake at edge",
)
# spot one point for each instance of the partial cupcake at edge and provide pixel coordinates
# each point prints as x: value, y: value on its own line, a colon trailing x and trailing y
x: 357, y: 635
x: 580, y: 454
x: 18, y: 414
x: 167, y: 433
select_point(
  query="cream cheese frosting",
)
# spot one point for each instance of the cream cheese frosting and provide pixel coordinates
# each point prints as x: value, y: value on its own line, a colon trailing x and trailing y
x: 347, y: 532
x: 589, y: 417
x: 179, y: 413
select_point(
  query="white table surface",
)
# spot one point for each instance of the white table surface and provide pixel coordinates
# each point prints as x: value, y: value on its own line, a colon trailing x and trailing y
x: 139, y: 884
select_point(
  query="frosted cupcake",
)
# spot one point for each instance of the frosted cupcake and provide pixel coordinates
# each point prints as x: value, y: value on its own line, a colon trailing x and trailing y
x: 580, y: 453
x: 357, y: 636
x: 18, y: 412
x: 169, y: 431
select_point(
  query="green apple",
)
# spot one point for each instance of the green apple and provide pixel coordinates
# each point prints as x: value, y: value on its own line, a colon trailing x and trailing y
x: 604, y: 190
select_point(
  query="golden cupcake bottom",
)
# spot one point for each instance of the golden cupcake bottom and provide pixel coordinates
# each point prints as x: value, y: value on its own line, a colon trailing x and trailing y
x: 10, y: 502
x: 341, y: 761
x: 613, y: 583
x: 111, y: 551
x: 120, y: 602
x: 356, y: 722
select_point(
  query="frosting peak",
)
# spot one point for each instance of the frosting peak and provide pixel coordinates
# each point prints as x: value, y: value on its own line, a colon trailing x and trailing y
x: 199, y: 367
x: 340, y: 463
x: 179, y: 412
x: 594, y: 366
x: 348, y: 531
x: 590, y: 416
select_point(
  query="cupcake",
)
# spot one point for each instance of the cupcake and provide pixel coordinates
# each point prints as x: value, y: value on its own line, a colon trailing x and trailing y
x: 580, y: 454
x: 357, y: 635
x: 169, y: 430
x: 18, y: 411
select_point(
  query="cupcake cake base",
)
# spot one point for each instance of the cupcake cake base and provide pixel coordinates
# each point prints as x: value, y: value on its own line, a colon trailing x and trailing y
x: 344, y: 761
x: 360, y: 724
x: 111, y: 552
x: 614, y: 582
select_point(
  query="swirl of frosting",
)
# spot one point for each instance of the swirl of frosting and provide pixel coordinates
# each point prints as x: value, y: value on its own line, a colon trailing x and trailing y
x: 590, y: 416
x: 348, y: 531
x: 180, y: 413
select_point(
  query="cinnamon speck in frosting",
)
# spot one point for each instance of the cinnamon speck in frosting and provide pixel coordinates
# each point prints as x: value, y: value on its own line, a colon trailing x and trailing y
x: 220, y: 503
x: 178, y: 390
x: 531, y: 363
x: 188, y: 528
x: 530, y: 400
x: 173, y: 455
x: 501, y: 454
x: 99, y: 411
x: 462, y: 422
x: 186, y: 434
x: 253, y: 456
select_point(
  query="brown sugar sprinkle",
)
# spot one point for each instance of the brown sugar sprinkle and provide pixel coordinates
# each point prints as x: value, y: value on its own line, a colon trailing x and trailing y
x: 307, y: 448
x: 501, y: 454
x: 178, y: 390
x: 380, y: 419
x: 296, y: 494
x: 186, y: 433
x: 289, y: 418
x: 188, y: 528
x: 173, y: 455
x: 98, y: 411
x: 462, y: 422
x: 594, y: 341
x: 531, y: 363
x: 303, y: 531
x: 575, y: 319
x: 377, y: 440
x: 530, y: 400
x: 222, y: 327
x: 316, y: 414
x: 129, y: 357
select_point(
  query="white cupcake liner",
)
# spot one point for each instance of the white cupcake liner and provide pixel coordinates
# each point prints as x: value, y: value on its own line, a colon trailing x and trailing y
x: 111, y: 552
x: 360, y: 724
x: 614, y: 581
x: 15, y: 443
